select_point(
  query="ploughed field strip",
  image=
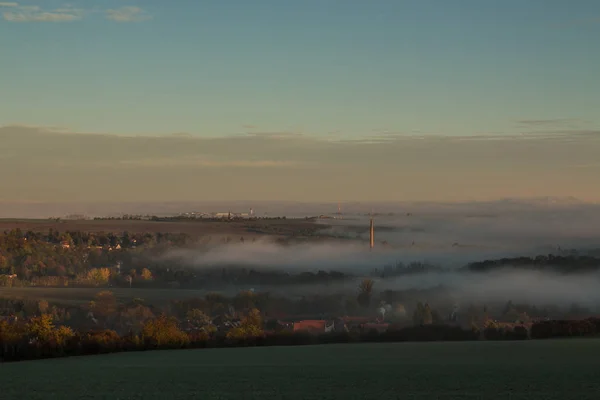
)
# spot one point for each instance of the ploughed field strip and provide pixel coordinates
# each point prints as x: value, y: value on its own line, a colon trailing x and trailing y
x: 543, y: 369
x: 192, y: 228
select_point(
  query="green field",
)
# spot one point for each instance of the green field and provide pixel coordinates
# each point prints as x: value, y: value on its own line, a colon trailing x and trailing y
x: 555, y: 369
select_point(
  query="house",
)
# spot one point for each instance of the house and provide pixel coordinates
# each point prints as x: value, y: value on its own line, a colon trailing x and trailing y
x: 311, y: 326
x: 314, y: 326
x: 329, y: 326
x: 339, y: 325
x: 224, y: 323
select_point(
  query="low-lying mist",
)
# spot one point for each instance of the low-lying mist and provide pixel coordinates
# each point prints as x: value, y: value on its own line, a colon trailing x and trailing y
x: 530, y: 230
x: 514, y: 283
x: 344, y: 257
x: 447, y: 239
x: 517, y: 285
x: 351, y: 256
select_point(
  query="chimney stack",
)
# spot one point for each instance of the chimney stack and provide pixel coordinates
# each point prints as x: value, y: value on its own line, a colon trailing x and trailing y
x: 372, y: 235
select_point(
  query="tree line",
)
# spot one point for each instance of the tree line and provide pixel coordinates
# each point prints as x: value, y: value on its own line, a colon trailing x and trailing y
x: 77, y: 258
x: 39, y: 337
x: 571, y: 263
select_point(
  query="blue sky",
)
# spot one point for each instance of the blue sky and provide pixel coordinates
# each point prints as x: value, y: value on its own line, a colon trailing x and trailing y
x: 214, y: 68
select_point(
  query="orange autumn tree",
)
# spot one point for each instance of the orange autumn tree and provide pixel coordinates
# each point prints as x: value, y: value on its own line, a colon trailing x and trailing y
x: 164, y: 331
x: 251, y: 326
x: 42, y: 330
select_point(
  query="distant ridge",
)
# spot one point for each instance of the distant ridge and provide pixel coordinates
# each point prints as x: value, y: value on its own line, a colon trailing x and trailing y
x: 569, y: 200
x: 32, y: 209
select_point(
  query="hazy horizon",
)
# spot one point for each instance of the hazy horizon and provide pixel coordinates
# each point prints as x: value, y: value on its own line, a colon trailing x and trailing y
x: 291, y: 209
x: 50, y: 166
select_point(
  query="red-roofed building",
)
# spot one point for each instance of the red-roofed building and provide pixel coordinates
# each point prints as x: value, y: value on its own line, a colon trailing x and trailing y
x: 311, y: 326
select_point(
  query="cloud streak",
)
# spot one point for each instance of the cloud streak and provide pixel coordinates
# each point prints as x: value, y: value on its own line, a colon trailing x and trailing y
x: 16, y: 12
x: 546, y: 122
x: 210, y: 163
x: 28, y: 13
x: 128, y: 14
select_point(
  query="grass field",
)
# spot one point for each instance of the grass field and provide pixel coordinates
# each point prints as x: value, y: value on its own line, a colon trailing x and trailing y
x: 554, y: 369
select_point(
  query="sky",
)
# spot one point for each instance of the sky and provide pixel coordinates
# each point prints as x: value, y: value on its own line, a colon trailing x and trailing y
x: 323, y: 72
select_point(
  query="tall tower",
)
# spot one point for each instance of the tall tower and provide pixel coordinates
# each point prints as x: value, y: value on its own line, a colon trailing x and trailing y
x: 371, y: 235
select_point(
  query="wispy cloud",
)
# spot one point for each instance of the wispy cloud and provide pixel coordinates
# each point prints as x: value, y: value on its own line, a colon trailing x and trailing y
x: 276, y: 135
x: 554, y: 123
x: 17, y: 12
x: 542, y: 134
x: 21, y: 13
x: 127, y: 14
x: 209, y: 163
x: 40, y: 128
x: 563, y: 135
x: 545, y: 122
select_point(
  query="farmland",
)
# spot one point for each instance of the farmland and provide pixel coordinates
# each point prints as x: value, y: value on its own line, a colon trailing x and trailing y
x: 194, y: 228
x: 552, y: 369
